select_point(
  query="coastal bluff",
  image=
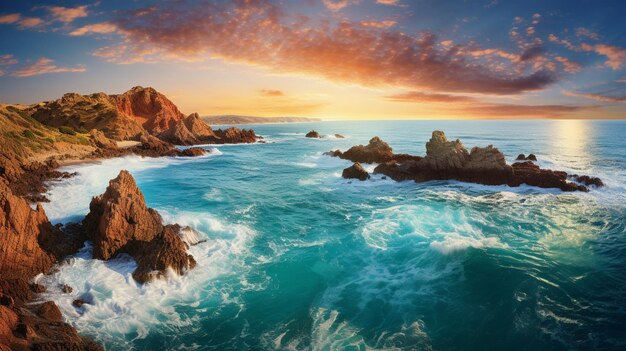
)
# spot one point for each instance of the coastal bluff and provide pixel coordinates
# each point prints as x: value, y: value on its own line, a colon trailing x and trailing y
x: 450, y: 160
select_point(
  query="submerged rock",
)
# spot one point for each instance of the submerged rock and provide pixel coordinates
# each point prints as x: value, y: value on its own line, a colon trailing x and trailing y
x: 339, y: 136
x: 355, y: 171
x: 120, y: 222
x: 313, y: 134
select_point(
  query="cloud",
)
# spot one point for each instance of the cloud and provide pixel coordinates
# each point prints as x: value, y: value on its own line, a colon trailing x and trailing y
x: 568, y: 65
x: 584, y: 32
x: 262, y: 34
x: 615, y: 55
x: 99, y: 28
x: 597, y: 97
x: 418, y: 96
x: 378, y: 24
x: 43, y: 66
x: 271, y: 93
x: 388, y: 2
x: 337, y: 5
x: 6, y: 60
x: 67, y: 14
x: 29, y: 22
x: 10, y: 18
x: 621, y: 80
x: 515, y: 110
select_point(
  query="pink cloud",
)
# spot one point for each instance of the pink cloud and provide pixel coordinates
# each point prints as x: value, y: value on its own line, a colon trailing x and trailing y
x: 584, y: 32
x: 67, y: 14
x: 271, y: 93
x: 43, y: 66
x: 568, y: 65
x: 388, y: 2
x: 337, y: 5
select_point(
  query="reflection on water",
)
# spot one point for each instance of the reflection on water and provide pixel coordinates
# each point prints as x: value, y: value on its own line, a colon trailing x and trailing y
x: 571, y: 141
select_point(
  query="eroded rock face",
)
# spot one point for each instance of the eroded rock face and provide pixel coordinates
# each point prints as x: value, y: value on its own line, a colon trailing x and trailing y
x: 450, y: 160
x: 22, y: 233
x: 120, y: 222
x: 151, y: 109
x: 355, y: 171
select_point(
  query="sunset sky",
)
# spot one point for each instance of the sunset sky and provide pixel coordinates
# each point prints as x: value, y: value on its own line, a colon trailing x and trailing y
x: 332, y: 59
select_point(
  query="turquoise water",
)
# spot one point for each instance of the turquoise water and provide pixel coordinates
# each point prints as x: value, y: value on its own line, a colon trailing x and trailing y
x: 298, y: 258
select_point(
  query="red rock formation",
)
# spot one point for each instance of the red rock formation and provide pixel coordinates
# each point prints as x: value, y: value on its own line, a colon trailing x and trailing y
x: 29, y: 245
x: 151, y: 109
x: 450, y: 160
x: 120, y: 222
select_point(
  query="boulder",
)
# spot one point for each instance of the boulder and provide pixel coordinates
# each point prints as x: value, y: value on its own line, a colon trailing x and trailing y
x: 119, y: 221
x: 339, y: 136
x: 193, y: 152
x: 100, y: 140
x: 355, y: 171
x: 531, y: 157
x: 49, y: 311
x: 520, y: 157
x: 313, y: 134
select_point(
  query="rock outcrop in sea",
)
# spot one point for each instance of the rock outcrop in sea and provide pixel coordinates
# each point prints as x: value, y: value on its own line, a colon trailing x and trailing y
x: 120, y: 222
x: 355, y: 171
x: 313, y: 134
x: 450, y: 160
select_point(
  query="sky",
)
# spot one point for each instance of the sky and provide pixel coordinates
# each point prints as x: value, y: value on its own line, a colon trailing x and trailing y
x: 330, y: 59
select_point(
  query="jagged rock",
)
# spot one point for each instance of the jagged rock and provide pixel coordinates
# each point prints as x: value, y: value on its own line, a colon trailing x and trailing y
x: 120, y: 222
x: 22, y: 231
x: 486, y: 158
x: 67, y: 289
x: 193, y: 152
x: 313, y: 134
x: 78, y: 303
x: 587, y: 180
x: 50, y: 311
x: 234, y: 135
x: 450, y: 160
x: 376, y: 151
x: 444, y: 154
x: 355, y: 171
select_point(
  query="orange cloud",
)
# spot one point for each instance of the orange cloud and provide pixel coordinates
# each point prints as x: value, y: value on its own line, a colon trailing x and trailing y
x: 615, y: 55
x: 43, y: 66
x: 388, y: 2
x: 100, y: 28
x: 10, y: 18
x: 271, y: 93
x: 67, y: 14
x: 597, y: 97
x: 568, y: 65
x: 337, y: 5
x: 379, y: 24
x: 514, y: 110
x: 346, y: 52
x: 418, y: 96
x: 29, y: 22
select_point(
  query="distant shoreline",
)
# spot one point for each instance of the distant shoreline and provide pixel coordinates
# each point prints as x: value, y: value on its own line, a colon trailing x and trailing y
x: 235, y: 119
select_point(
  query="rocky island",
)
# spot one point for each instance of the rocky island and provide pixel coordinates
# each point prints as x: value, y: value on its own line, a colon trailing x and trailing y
x: 450, y: 160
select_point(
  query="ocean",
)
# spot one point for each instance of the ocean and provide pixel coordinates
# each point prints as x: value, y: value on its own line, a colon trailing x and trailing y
x: 298, y: 258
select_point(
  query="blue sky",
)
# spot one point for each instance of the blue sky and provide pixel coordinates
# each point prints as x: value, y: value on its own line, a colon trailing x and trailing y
x: 335, y: 59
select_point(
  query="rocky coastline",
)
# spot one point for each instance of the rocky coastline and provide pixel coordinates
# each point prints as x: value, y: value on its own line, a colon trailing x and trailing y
x: 34, y: 142
x: 450, y: 160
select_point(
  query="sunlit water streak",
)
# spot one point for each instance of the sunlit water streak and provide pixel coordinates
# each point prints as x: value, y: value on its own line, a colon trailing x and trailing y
x: 297, y: 258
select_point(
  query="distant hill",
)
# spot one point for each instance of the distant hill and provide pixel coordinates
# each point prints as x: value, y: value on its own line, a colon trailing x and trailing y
x: 233, y: 119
